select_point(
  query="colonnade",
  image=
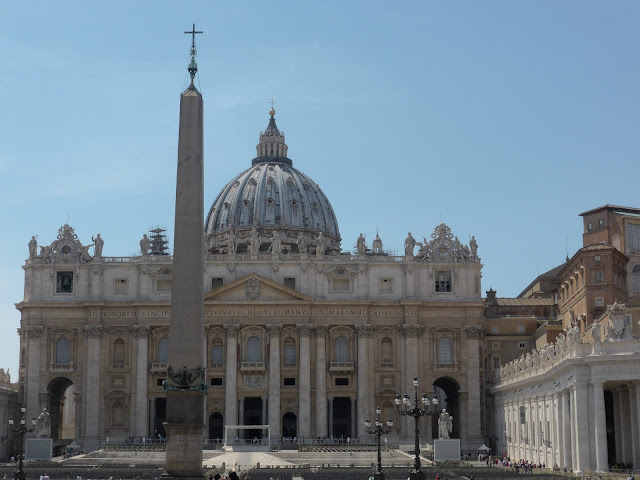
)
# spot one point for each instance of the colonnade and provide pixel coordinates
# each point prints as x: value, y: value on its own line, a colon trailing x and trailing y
x: 567, y: 427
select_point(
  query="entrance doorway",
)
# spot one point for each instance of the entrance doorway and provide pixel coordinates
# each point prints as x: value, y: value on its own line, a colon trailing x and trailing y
x: 289, y: 425
x: 342, y: 417
x: 216, y: 426
x: 62, y: 408
x: 252, y: 416
x: 160, y: 417
x: 448, y: 392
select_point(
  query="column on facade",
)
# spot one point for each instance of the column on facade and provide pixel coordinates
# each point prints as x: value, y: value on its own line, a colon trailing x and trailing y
x: 566, y: 431
x: 600, y: 427
x: 556, y: 427
x: 264, y: 410
x: 581, y: 406
x: 330, y: 400
x: 474, y: 336
x: 241, y: 412
x: 92, y: 396
x: 321, y: 381
x: 231, y: 376
x: 141, y: 336
x: 364, y: 332
x: 78, y: 423
x: 574, y: 432
x: 304, y: 392
x: 353, y: 416
x: 274, y: 379
x: 402, y: 355
x: 34, y: 347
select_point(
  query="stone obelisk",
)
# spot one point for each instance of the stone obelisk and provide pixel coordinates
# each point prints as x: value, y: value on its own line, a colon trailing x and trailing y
x: 185, y: 385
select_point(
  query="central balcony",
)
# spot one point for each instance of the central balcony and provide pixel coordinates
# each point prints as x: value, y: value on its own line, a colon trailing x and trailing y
x: 252, y: 367
x: 342, y: 366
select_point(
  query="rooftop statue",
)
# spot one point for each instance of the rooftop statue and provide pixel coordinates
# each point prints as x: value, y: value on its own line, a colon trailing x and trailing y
x: 361, y: 245
x: 98, y: 243
x: 322, y: 245
x: 144, y: 245
x: 409, y: 244
x: 33, y: 247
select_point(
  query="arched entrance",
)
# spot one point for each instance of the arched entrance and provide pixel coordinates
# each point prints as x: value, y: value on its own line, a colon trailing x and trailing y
x: 216, y: 426
x: 62, y: 408
x: 289, y: 425
x: 448, y: 391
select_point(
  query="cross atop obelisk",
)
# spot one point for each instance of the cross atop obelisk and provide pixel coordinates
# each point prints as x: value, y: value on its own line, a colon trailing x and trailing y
x: 193, y: 66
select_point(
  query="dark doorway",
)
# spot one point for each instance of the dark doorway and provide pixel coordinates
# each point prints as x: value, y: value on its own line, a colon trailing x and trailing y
x: 342, y: 417
x: 216, y: 425
x: 611, y: 432
x: 289, y: 425
x: 252, y: 416
x: 448, y: 392
x: 57, y: 390
x: 160, y: 418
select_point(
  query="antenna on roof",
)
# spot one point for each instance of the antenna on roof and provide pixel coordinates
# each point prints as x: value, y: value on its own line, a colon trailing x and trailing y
x: 566, y: 244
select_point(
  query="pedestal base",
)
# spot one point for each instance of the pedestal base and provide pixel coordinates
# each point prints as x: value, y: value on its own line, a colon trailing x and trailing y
x: 446, y: 450
x: 184, y: 451
x: 38, y: 449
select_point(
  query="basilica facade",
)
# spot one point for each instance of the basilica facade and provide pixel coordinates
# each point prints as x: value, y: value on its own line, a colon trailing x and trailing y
x: 299, y: 334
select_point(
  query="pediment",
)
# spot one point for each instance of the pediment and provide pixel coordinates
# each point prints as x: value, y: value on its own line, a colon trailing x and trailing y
x: 255, y: 288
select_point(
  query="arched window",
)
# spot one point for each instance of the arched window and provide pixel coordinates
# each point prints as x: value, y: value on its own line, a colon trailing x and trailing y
x: 217, y: 352
x: 387, y: 350
x: 444, y: 351
x: 635, y: 278
x: 118, y: 352
x: 62, y: 351
x: 254, y: 349
x: 117, y: 415
x: 342, y: 349
x: 289, y: 350
x: 163, y: 350
x: 289, y: 425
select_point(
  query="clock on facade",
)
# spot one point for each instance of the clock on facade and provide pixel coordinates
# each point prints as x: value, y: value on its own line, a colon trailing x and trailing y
x: 442, y: 248
x: 65, y: 248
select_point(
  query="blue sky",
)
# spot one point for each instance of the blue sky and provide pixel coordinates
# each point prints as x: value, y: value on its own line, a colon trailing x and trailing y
x: 504, y: 119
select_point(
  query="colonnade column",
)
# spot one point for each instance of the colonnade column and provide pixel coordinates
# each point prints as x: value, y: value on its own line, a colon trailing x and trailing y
x: 304, y: 393
x: 633, y: 427
x: 582, y: 427
x: 364, y: 332
x: 558, y: 458
x: 264, y: 411
x: 600, y: 427
x: 274, y: 379
x: 636, y: 387
x: 141, y: 334
x: 625, y: 432
x: 617, y: 422
x: 566, y: 431
x: 321, y: 381
x: 92, y: 396
x: 231, y: 374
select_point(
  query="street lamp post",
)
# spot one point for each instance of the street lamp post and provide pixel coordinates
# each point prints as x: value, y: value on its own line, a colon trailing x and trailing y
x: 378, y: 431
x: 21, y: 430
x: 416, y: 412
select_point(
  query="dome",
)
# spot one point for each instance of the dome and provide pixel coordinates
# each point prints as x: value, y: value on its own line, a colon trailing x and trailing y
x: 272, y: 207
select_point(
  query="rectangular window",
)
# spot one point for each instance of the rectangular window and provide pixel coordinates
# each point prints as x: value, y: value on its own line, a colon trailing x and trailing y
x: 289, y: 282
x: 495, y: 329
x: 522, y: 345
x: 342, y: 382
x: 120, y: 285
x: 496, y: 362
x: 290, y: 354
x: 495, y: 345
x: 163, y: 285
x: 340, y: 285
x: 289, y: 381
x: 443, y: 281
x: 216, y: 355
x: 216, y: 382
x: 596, y: 258
x: 589, y: 227
x: 601, y: 224
x: 633, y: 238
x: 216, y: 282
x: 599, y: 302
x: 64, y: 282
x: 520, y: 328
x: 385, y: 285
x: 159, y: 382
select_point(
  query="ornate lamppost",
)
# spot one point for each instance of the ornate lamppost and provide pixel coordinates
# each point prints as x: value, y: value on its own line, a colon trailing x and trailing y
x: 378, y: 431
x: 416, y: 412
x: 21, y: 430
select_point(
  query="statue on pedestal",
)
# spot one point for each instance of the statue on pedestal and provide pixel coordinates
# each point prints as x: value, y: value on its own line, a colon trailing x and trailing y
x: 44, y: 424
x: 33, y: 247
x: 445, y: 425
x: 302, y: 243
x: 276, y: 242
x: 98, y: 243
x: 322, y: 245
x: 144, y: 244
x: 409, y: 243
x: 361, y: 245
x: 474, y: 247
